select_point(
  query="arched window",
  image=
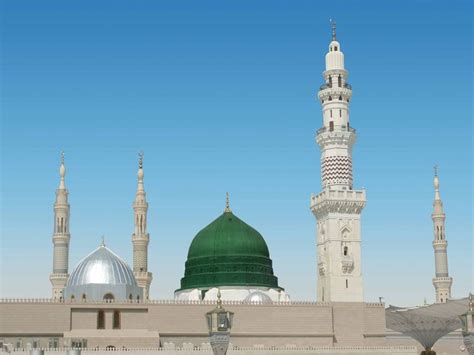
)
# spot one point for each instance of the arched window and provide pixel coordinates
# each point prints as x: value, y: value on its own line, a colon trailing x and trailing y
x: 130, y: 297
x: 330, y: 113
x: 72, y: 297
x: 116, y: 320
x: 84, y: 297
x: 340, y: 98
x: 330, y: 98
x: 138, y: 298
x: 335, y: 48
x: 108, y: 297
x: 339, y: 81
x: 101, y: 320
x: 340, y: 113
x: 345, y: 251
x: 331, y: 126
x: 330, y: 82
x: 347, y: 283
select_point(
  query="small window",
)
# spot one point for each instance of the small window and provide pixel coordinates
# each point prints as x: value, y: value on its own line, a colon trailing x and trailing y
x: 331, y: 126
x: 84, y: 297
x: 116, y: 320
x: 339, y: 81
x: 347, y: 283
x: 335, y: 48
x: 330, y: 98
x: 138, y: 298
x: 323, y: 295
x: 330, y: 113
x: 340, y: 113
x: 130, y: 297
x: 330, y: 82
x: 340, y: 98
x: 101, y: 320
x: 72, y: 297
x: 345, y: 251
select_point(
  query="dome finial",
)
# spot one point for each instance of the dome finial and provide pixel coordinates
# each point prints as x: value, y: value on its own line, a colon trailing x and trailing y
x: 227, y: 203
x: 102, y: 244
x: 333, y: 28
x: 436, y: 183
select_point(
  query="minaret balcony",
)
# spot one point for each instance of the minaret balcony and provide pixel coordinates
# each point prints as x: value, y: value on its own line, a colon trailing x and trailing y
x: 338, y: 201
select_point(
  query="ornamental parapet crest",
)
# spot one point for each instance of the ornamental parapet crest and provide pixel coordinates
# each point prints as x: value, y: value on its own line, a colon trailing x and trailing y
x: 338, y: 201
x: 322, y: 268
x: 347, y: 264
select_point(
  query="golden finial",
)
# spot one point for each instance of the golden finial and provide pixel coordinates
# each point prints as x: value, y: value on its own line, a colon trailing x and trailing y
x: 435, y: 168
x: 62, y: 157
x: 140, y: 160
x: 219, y: 301
x: 227, y: 203
x: 103, y: 241
x: 333, y: 27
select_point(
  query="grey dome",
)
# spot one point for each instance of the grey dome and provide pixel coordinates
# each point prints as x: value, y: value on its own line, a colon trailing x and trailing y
x: 102, y: 274
x: 102, y: 266
x: 258, y: 297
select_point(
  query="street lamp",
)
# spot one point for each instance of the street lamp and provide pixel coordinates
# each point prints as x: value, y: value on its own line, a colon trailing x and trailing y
x: 468, y: 326
x: 219, y: 322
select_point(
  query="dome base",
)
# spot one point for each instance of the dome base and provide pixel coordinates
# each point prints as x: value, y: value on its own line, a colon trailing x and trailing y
x: 230, y: 293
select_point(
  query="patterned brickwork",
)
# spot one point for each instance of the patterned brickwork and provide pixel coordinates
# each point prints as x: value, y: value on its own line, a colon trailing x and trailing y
x: 336, y: 170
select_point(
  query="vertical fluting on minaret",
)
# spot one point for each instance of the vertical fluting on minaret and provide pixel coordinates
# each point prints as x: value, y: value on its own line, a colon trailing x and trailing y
x: 140, y: 237
x: 61, y: 236
x: 338, y: 207
x: 441, y: 282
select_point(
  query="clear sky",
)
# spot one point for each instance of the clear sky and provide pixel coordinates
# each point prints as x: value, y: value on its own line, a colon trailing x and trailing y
x: 220, y: 95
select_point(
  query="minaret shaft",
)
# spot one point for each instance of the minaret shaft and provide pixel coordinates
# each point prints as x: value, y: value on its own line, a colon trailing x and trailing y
x: 61, y: 237
x: 441, y: 282
x: 338, y: 207
x: 140, y: 237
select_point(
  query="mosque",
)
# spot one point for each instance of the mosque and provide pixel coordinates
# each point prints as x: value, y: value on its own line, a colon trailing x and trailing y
x: 105, y: 303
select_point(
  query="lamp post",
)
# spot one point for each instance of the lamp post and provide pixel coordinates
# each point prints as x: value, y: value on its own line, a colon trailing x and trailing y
x: 468, y: 326
x: 219, y: 322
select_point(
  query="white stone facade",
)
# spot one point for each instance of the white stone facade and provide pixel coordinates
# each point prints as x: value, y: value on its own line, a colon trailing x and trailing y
x: 338, y: 207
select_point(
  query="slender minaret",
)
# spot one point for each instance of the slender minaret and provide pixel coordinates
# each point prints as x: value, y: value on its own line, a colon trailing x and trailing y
x: 140, y: 237
x: 442, y: 282
x: 338, y: 207
x: 61, y: 237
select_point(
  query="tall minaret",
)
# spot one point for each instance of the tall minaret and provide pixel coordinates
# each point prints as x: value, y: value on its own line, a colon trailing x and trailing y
x: 442, y: 282
x: 338, y: 207
x: 140, y: 237
x: 61, y: 237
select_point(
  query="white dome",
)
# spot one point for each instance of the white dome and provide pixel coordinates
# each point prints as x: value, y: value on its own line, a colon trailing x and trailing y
x: 258, y: 297
x: 102, y: 275
x: 102, y: 266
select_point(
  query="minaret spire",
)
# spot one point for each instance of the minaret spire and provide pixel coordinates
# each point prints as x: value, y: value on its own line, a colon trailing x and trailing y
x: 333, y: 29
x: 338, y: 207
x: 441, y: 282
x: 61, y: 236
x: 140, y: 237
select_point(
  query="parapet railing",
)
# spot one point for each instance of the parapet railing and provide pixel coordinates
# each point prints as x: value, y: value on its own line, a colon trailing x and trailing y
x: 231, y: 348
x: 173, y: 302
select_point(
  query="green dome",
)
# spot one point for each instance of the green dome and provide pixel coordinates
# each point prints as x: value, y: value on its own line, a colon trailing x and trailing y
x: 228, y: 252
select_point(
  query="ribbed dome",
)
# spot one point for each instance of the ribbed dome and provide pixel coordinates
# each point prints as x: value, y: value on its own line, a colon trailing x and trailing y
x: 102, y: 266
x: 228, y: 252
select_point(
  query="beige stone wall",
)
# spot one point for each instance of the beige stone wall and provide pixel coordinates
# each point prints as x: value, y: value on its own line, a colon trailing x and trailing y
x: 154, y: 323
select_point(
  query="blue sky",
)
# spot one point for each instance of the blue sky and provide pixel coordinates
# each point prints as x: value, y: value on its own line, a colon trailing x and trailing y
x: 221, y: 97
